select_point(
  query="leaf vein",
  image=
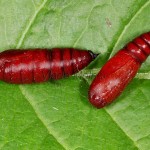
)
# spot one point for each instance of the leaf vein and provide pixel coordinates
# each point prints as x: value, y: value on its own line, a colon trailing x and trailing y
x: 42, y: 119
x: 24, y: 33
x: 128, y: 24
x: 121, y: 128
x: 77, y: 40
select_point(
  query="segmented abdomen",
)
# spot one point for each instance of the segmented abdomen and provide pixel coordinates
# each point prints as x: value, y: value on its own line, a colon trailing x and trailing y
x: 39, y: 65
x: 139, y: 48
x: 119, y: 71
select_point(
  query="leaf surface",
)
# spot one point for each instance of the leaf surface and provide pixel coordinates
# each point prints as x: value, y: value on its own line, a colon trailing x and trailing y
x: 56, y: 115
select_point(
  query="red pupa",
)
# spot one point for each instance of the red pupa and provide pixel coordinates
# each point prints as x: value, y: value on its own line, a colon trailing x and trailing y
x: 39, y: 65
x: 116, y: 74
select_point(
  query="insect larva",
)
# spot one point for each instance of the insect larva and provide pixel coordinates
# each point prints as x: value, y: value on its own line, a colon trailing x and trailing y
x: 119, y: 71
x: 39, y: 65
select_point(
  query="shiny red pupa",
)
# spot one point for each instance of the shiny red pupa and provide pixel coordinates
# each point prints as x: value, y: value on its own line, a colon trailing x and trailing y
x: 116, y: 74
x: 39, y: 65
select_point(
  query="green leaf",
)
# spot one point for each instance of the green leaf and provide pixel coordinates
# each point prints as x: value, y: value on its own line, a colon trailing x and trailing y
x: 56, y: 115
